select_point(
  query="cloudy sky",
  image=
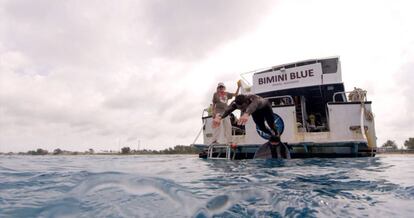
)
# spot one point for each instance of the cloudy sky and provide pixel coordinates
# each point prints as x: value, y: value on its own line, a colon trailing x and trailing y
x: 104, y: 74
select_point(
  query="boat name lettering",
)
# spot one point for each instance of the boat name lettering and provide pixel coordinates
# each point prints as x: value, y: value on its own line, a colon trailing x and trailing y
x: 284, y: 77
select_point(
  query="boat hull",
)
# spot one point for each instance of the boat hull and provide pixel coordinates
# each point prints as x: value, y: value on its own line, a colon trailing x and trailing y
x: 299, y: 150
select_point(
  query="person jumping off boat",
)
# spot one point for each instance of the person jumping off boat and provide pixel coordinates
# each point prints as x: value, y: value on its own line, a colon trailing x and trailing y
x: 261, y: 111
x: 258, y: 107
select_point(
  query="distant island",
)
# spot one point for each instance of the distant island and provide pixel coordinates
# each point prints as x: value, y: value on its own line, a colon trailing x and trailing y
x: 389, y: 147
x: 178, y: 149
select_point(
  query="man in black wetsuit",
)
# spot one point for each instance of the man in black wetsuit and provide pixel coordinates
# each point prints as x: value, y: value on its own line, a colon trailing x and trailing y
x: 254, y: 105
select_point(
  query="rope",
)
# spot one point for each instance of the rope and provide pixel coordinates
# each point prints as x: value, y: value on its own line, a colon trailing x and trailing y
x: 199, y: 132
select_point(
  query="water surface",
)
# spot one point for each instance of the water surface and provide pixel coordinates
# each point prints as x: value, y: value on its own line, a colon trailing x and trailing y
x: 185, y: 186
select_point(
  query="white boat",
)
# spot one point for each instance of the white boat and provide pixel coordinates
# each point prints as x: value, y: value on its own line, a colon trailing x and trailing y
x: 314, y: 113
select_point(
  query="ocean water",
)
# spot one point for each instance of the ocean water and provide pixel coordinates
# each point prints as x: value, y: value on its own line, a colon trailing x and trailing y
x: 186, y: 186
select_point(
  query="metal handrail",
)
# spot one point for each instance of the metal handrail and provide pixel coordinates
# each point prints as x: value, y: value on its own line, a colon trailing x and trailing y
x: 348, y: 92
x: 343, y: 96
x: 282, y: 97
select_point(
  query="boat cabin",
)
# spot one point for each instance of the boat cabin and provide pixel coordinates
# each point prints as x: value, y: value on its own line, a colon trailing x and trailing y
x: 308, y: 85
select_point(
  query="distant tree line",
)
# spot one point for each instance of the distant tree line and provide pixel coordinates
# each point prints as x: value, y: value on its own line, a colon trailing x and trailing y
x: 57, y: 151
x: 39, y: 151
x: 390, y: 145
x: 178, y: 149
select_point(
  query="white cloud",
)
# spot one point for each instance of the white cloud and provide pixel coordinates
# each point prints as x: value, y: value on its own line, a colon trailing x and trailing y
x: 78, y: 74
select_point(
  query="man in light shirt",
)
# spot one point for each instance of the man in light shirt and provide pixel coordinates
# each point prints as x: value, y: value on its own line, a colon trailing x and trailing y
x: 220, y: 102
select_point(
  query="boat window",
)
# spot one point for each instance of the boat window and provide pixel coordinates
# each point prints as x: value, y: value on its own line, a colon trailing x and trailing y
x: 329, y: 65
x: 280, y: 101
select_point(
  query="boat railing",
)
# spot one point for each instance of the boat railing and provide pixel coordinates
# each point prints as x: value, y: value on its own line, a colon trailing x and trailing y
x: 207, y: 113
x: 356, y: 95
x: 359, y: 95
x: 281, y: 100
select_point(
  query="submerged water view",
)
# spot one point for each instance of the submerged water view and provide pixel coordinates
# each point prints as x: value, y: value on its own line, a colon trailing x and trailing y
x: 186, y: 186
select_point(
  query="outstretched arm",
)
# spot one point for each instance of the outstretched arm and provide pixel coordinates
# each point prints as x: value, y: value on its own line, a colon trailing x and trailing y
x: 229, y: 109
x: 219, y: 117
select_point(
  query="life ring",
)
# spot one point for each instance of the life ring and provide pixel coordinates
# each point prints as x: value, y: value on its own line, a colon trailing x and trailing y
x: 280, y: 126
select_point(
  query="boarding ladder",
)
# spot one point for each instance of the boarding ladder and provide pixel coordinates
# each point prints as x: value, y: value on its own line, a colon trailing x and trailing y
x: 226, y: 148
